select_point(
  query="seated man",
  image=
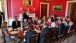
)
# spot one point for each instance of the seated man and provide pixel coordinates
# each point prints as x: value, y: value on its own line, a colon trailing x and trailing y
x: 60, y: 26
x: 28, y: 34
x: 53, y: 25
x: 33, y: 21
x: 16, y: 23
x: 7, y: 37
x: 45, y: 30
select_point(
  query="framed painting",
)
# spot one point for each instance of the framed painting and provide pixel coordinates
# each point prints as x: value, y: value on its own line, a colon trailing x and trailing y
x: 45, y: 0
x: 57, y: 7
x: 27, y: 2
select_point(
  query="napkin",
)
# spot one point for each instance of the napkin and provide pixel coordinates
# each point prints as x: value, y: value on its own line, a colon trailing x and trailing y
x: 13, y: 37
x: 13, y: 32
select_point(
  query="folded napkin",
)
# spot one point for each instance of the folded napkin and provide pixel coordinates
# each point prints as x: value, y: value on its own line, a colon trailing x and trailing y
x: 13, y: 37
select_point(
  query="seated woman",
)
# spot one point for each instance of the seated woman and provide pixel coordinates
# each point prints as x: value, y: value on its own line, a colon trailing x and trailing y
x: 39, y: 20
x: 49, y: 19
x: 70, y: 25
x: 25, y: 23
x: 43, y: 20
x: 66, y: 24
x: 7, y: 37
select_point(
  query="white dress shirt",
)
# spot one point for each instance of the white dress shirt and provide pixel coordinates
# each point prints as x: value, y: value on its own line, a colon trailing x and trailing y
x: 53, y: 24
x: 49, y: 20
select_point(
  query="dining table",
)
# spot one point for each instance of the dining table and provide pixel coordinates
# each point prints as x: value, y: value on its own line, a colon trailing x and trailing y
x: 21, y: 32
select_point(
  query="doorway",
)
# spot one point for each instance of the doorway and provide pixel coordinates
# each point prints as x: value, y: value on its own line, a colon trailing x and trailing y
x: 3, y: 8
x: 44, y: 9
x: 71, y: 10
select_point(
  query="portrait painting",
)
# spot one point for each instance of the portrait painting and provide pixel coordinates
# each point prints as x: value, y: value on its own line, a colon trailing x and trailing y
x: 57, y: 7
x: 27, y: 2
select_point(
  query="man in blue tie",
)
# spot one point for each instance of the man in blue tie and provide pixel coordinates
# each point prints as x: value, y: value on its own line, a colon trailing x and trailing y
x: 33, y: 21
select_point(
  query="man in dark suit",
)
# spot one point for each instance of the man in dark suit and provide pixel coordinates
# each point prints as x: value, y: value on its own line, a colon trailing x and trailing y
x: 28, y: 34
x: 1, y: 15
x: 16, y: 23
x: 60, y: 26
x: 54, y: 18
x: 33, y: 21
x: 25, y: 16
x: 43, y: 32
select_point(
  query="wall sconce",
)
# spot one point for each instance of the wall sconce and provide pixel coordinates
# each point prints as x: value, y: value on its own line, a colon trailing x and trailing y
x: 34, y: 10
x: 21, y: 10
x: 27, y: 9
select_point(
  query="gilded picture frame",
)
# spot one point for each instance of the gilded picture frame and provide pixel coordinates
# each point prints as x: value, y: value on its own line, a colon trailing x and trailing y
x: 57, y: 7
x: 27, y: 2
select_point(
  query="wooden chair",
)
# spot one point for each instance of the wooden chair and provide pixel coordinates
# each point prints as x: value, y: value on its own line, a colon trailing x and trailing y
x: 47, y: 37
x: 33, y: 39
x: 61, y: 36
x: 71, y: 31
x: 75, y: 30
x: 66, y: 32
x: 53, y: 35
x: 4, y: 37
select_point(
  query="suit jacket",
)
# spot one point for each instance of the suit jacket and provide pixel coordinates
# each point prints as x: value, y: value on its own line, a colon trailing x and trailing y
x: 28, y: 34
x: 32, y: 22
x: 52, y: 19
x: 43, y: 32
x: 14, y: 24
x: 25, y: 16
x: 1, y: 16
x: 60, y: 26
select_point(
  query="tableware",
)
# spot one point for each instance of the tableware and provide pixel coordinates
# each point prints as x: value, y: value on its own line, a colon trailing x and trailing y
x: 13, y: 32
x: 21, y: 29
x: 24, y: 33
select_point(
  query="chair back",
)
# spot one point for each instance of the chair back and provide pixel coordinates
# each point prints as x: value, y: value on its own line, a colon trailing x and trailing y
x: 72, y: 28
x: 54, y: 33
x: 4, y: 37
x: 62, y: 31
x: 33, y: 38
x: 66, y: 30
x: 47, y: 37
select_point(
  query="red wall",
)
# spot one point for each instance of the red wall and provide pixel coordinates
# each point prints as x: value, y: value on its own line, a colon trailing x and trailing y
x: 9, y: 8
x: 61, y: 13
x: 17, y: 4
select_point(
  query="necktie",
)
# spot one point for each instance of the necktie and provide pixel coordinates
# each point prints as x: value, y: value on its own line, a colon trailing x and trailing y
x: 16, y: 23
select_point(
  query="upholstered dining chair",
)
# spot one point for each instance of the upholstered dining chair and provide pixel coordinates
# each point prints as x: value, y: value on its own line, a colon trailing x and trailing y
x: 47, y: 37
x: 33, y: 38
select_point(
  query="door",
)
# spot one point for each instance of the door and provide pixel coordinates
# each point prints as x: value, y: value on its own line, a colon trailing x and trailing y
x: 44, y: 9
x: 73, y: 12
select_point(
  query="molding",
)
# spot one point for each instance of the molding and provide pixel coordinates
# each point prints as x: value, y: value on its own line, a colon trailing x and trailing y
x: 11, y: 9
x: 47, y: 8
x: 67, y: 7
x: 5, y: 8
x: 24, y: 3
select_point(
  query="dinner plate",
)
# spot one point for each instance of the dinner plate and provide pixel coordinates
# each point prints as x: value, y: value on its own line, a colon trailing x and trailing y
x: 13, y: 32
